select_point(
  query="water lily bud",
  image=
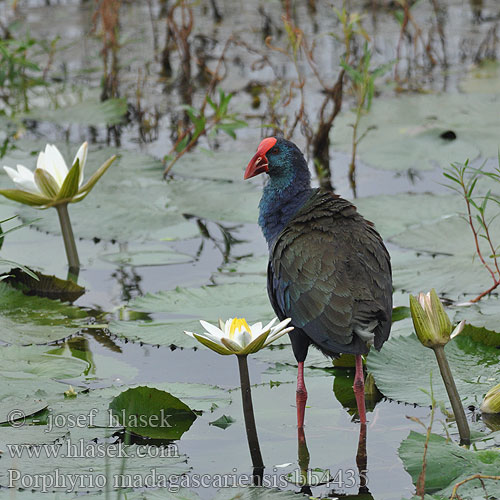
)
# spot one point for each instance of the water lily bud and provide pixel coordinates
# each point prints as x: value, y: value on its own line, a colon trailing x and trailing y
x: 70, y: 393
x: 491, y: 402
x: 432, y: 325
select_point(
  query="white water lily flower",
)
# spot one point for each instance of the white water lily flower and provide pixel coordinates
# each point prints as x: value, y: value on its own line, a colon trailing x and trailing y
x: 52, y: 183
x: 236, y: 336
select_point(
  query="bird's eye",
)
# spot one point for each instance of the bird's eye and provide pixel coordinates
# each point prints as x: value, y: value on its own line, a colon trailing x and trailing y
x: 274, y: 150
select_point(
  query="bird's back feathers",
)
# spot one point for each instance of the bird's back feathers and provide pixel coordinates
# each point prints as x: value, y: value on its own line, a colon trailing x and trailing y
x: 330, y: 272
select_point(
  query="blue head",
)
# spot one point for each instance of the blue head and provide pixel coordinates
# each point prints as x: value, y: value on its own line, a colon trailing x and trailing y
x: 283, y: 161
x: 289, y: 183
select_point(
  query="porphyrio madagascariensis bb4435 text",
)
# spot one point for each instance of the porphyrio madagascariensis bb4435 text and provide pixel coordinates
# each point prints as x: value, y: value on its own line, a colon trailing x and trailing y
x: 328, y: 267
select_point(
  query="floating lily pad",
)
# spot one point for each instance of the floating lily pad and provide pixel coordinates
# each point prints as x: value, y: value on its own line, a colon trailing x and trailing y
x: 199, y: 397
x: 250, y: 269
x: 223, y: 422
x: 149, y: 412
x: 452, y: 276
x: 25, y: 406
x: 402, y: 369
x: 449, y: 236
x: 448, y: 463
x: 283, y: 354
x: 180, y: 309
x: 45, y: 286
x: 29, y: 320
x: 207, y: 164
x: 89, y: 112
x: 406, y: 131
x: 254, y: 493
x: 483, y: 315
x: 449, y: 263
x: 407, y: 210
x: 133, y: 202
x: 30, y: 372
x: 146, y: 258
x: 102, y: 368
x: 141, y: 462
x: 485, y: 78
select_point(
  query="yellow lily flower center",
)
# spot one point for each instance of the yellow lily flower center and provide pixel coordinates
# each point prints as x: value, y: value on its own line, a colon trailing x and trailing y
x: 236, y: 325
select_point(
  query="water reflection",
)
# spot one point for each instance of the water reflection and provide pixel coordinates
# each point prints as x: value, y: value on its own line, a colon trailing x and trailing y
x: 345, y: 479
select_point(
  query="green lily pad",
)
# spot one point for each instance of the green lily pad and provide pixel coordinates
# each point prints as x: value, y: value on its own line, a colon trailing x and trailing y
x: 448, y: 463
x: 483, y: 315
x: 407, y: 210
x: 485, y: 78
x: 31, y: 372
x: 25, y: 406
x: 146, y: 258
x: 181, y: 309
x: 282, y: 354
x: 132, y: 201
x: 102, y: 368
x: 45, y: 286
x: 402, y: 368
x: 453, y: 276
x: 450, y: 263
x: 255, y: 493
x: 29, y: 320
x: 149, y: 412
x: 207, y: 164
x: 223, y: 422
x: 100, y: 460
x: 448, y: 236
x: 33, y: 362
x: 199, y: 397
x: 406, y: 131
x: 89, y: 112
x: 249, y: 269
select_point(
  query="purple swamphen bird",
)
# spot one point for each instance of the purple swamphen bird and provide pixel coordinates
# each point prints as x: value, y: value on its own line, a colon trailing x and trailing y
x: 328, y: 267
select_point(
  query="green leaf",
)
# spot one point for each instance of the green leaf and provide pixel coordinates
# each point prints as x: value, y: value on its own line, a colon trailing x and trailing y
x: 42, y: 285
x: 88, y: 186
x: 27, y: 320
x: 448, y: 463
x: 152, y: 413
x: 209, y: 303
x: 483, y: 78
x: 223, y: 422
x: 90, y: 112
x: 407, y: 130
x: 70, y: 185
x: 481, y: 316
x: 401, y: 370
x: 404, y: 216
x: 25, y: 197
x: 30, y: 373
x: 354, y: 74
x: 134, y: 191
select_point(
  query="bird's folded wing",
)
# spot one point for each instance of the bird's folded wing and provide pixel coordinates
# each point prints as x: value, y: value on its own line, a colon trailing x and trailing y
x: 328, y: 271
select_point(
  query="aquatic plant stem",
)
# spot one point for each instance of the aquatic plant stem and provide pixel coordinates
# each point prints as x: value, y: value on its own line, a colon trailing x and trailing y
x: 246, y: 397
x: 451, y: 389
x: 68, y: 237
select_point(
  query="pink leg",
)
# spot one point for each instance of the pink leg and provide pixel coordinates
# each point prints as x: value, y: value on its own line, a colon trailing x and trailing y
x: 301, y: 396
x: 359, y: 388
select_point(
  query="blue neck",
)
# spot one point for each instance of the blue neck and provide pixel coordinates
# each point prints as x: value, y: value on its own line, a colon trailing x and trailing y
x: 281, y: 199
